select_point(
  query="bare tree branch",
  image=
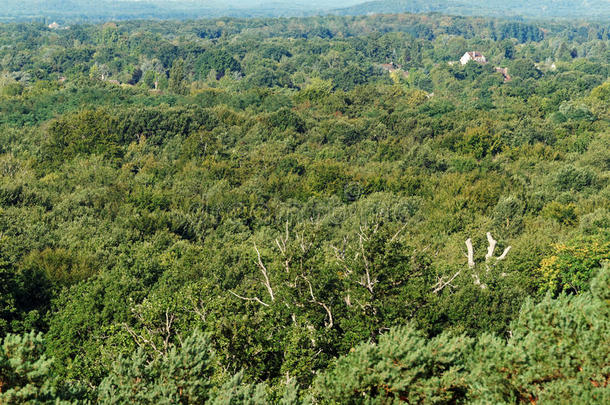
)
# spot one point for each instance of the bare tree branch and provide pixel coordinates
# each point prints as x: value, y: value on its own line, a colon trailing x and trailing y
x: 137, y: 338
x: 470, y: 255
x: 492, y: 246
x: 442, y: 284
x: 477, y: 281
x: 503, y: 256
x: 330, y: 323
x: 200, y: 310
x: 266, y: 282
x: 302, y: 244
x: 340, y: 256
x: 255, y: 299
x: 367, y: 283
x: 402, y: 228
x: 283, y: 241
x: 281, y: 247
x: 141, y: 341
x: 169, y: 320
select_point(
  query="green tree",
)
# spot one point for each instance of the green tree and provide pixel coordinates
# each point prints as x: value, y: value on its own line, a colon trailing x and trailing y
x: 177, y: 77
x: 181, y: 376
x: 218, y: 60
x: 402, y: 367
x: 8, y: 292
x: 570, y: 267
x: 556, y: 354
x: 26, y: 374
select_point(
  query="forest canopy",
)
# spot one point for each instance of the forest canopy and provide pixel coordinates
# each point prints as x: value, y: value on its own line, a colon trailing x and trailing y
x: 305, y: 210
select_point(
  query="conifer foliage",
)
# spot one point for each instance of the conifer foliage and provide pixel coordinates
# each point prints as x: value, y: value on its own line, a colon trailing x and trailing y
x: 558, y: 352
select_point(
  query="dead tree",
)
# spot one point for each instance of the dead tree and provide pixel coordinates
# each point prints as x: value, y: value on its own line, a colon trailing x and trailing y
x: 490, y: 262
x: 351, y: 265
x: 265, y: 282
x: 357, y: 263
x: 157, y: 337
x: 328, y: 324
x: 293, y: 264
x: 263, y: 269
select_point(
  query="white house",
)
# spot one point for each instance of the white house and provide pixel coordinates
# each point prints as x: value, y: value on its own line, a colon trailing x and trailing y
x: 475, y: 56
x: 53, y: 26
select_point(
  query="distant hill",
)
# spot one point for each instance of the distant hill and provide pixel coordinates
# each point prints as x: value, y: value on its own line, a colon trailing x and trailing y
x: 100, y: 10
x: 599, y: 9
x: 95, y: 10
x: 406, y: 6
x: 69, y: 10
x: 548, y: 8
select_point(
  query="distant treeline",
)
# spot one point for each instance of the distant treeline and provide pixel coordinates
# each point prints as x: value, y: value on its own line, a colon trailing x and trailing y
x: 597, y: 9
x: 71, y: 11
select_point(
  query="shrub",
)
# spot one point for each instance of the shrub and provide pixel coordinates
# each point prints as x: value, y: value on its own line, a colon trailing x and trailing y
x: 570, y: 177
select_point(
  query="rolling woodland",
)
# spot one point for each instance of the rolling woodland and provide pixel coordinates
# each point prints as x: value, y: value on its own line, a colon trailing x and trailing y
x: 308, y: 210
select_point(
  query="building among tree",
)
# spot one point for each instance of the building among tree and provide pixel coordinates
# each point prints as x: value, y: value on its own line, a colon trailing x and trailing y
x: 475, y: 56
x: 394, y: 68
x: 504, y: 72
x: 390, y: 67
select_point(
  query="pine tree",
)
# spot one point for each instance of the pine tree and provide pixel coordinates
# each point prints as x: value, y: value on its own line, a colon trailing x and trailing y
x: 26, y: 375
x: 182, y: 376
x: 558, y: 352
x: 403, y: 366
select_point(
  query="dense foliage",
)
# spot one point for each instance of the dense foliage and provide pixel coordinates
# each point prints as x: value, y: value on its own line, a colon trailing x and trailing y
x: 305, y: 210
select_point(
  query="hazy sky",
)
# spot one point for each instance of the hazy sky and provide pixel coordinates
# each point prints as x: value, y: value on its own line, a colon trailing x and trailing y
x: 91, y: 7
x: 250, y: 3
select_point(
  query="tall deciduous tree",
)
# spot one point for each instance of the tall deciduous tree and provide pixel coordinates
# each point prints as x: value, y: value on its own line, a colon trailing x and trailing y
x: 177, y: 77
